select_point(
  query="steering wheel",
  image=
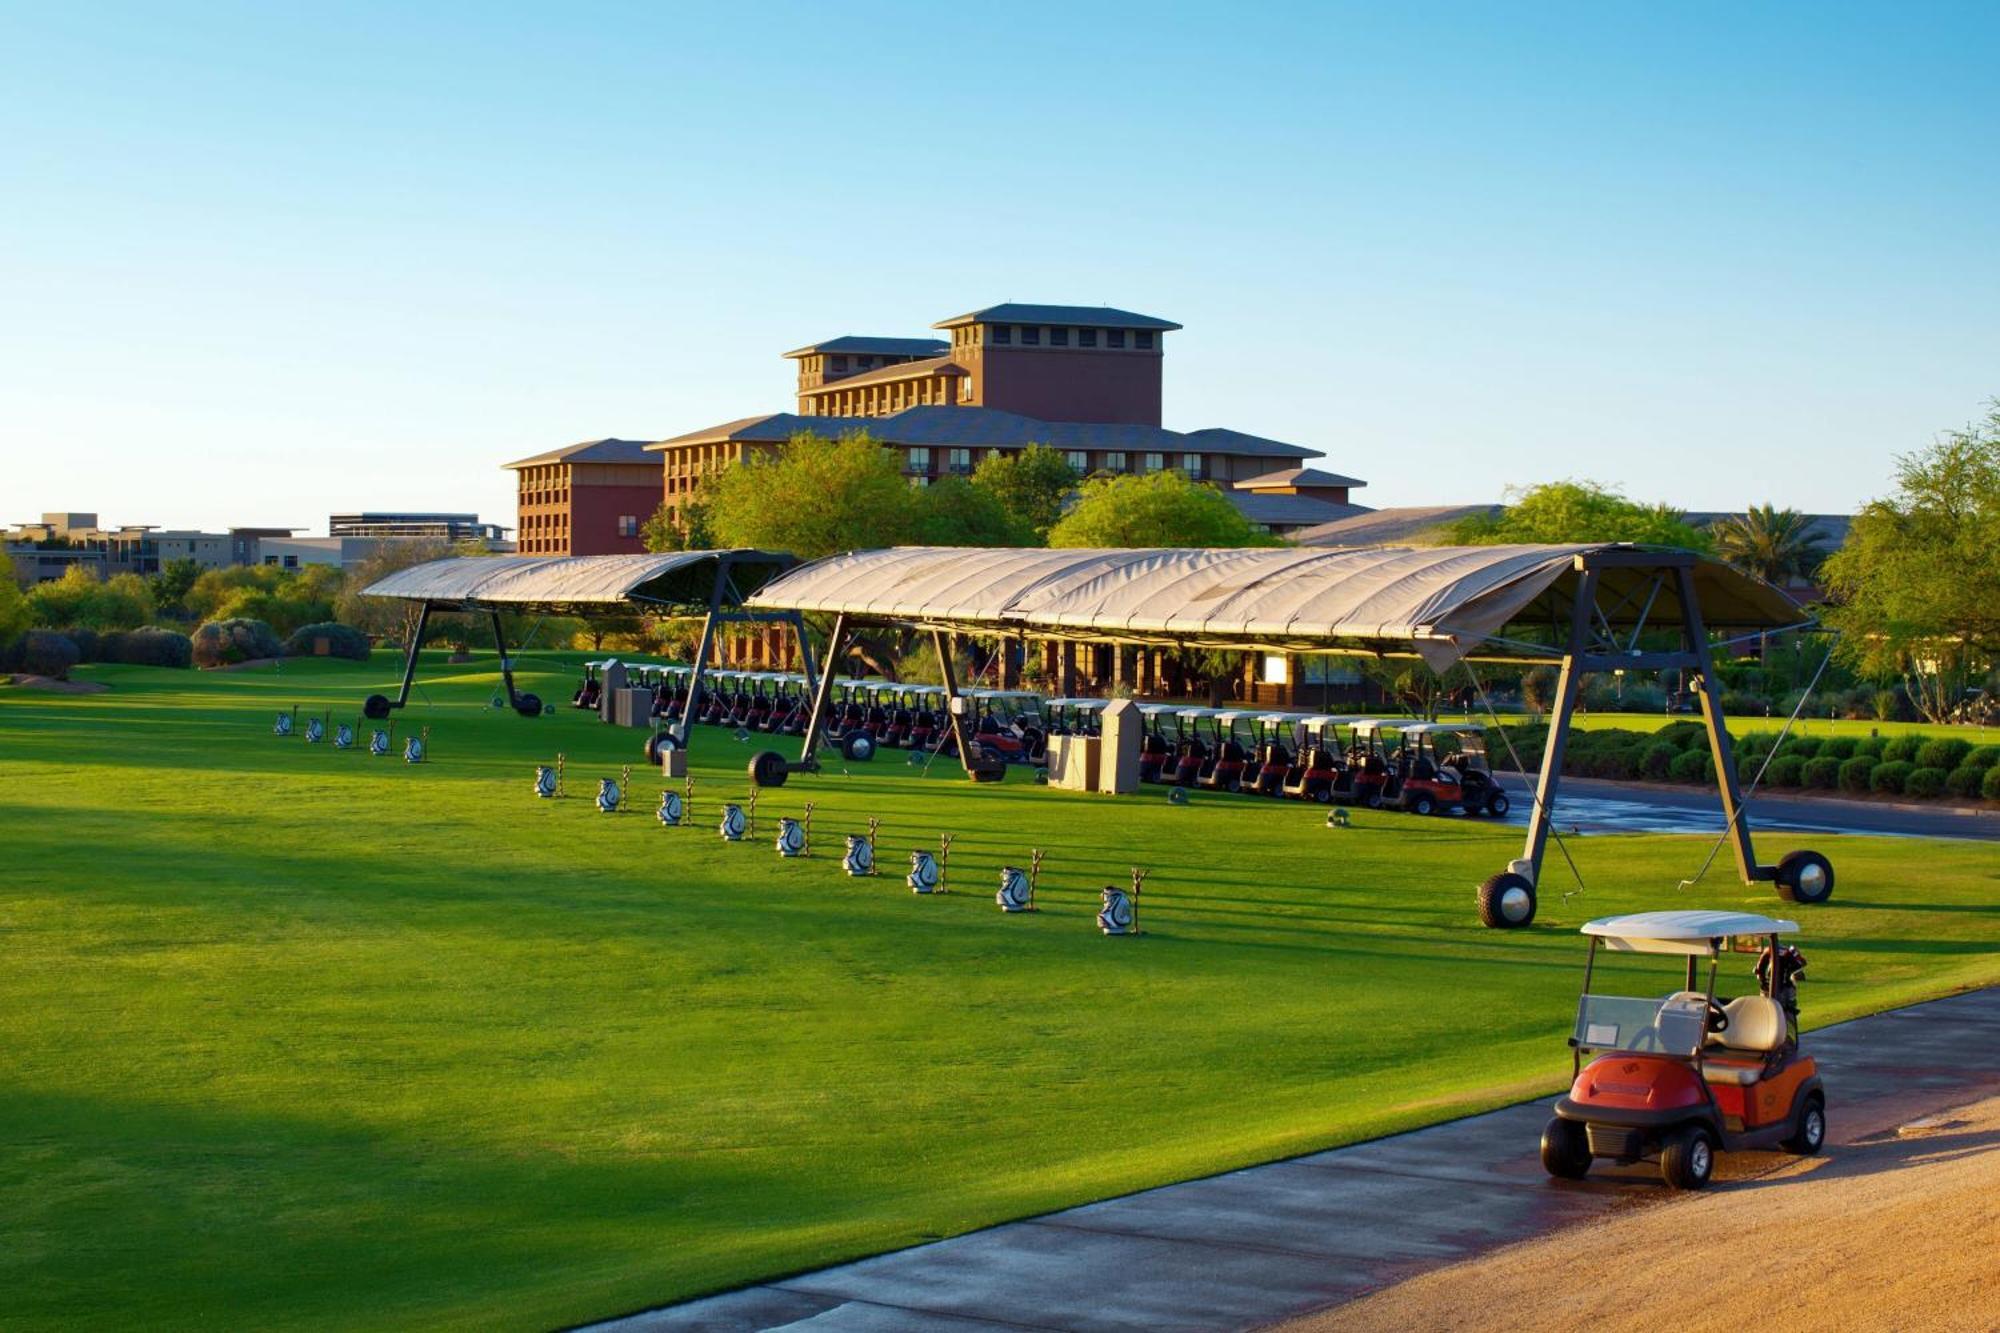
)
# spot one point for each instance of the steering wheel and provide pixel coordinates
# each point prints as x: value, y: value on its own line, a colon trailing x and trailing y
x: 1718, y: 1017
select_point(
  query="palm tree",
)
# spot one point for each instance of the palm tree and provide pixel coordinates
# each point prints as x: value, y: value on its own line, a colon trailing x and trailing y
x: 1772, y: 543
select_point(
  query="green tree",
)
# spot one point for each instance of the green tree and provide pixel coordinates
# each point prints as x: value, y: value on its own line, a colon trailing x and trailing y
x: 1774, y: 544
x: 13, y: 606
x: 814, y: 497
x: 952, y: 511
x: 689, y: 531
x: 171, y: 585
x: 1566, y: 512
x: 64, y: 601
x: 1032, y: 486
x: 384, y: 617
x: 1159, y: 509
x: 1916, y: 589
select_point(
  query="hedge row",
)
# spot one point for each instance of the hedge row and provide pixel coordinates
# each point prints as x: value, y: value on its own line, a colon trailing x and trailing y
x: 1909, y: 765
x: 46, y: 652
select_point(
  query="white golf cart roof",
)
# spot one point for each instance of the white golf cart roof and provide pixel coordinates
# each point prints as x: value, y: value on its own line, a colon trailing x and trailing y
x: 1081, y: 705
x: 1029, y: 695
x: 1231, y: 715
x: 1690, y: 932
x: 1197, y: 712
x: 1440, y: 728
x: 1158, y: 710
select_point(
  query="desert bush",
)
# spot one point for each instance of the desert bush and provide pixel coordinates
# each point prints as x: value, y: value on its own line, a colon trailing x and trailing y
x: 1871, y: 746
x: 1889, y: 776
x: 1924, y: 782
x: 1692, y: 766
x: 1946, y: 752
x: 1821, y: 774
x: 1805, y: 747
x: 1856, y: 774
x: 221, y: 642
x: 150, y: 646
x: 87, y: 641
x: 1684, y: 735
x: 42, y: 652
x: 1656, y: 761
x: 1785, y: 771
x: 1902, y: 749
x: 1989, y: 786
x: 1837, y: 747
x: 341, y: 641
x: 1985, y: 756
x: 1964, y: 780
x: 1742, y: 703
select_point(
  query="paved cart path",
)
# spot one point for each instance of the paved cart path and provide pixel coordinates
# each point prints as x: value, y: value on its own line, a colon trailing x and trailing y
x: 1264, y: 1244
x: 1601, y: 805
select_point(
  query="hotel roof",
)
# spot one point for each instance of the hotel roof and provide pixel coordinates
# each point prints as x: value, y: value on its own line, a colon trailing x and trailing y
x: 1296, y: 476
x: 986, y: 427
x: 863, y: 345
x: 590, y: 451
x: 1086, y: 316
x: 902, y: 370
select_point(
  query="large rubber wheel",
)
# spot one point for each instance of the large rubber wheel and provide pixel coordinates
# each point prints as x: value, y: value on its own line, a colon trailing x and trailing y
x: 376, y: 706
x: 1565, y: 1149
x: 657, y: 744
x: 1809, y: 1135
x: 858, y: 746
x: 1805, y: 877
x: 1497, y: 804
x: 1688, y: 1160
x: 768, y: 769
x: 528, y: 705
x: 1507, y: 901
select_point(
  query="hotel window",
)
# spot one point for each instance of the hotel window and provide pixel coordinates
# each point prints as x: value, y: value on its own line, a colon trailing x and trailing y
x: 1003, y: 333
x: 628, y: 526
x: 965, y: 389
x: 1078, y: 460
x: 1155, y: 462
x: 1191, y: 464
x: 1030, y: 336
x: 917, y: 460
x: 959, y: 460
x: 836, y: 363
x: 1143, y: 340
x: 1086, y: 337
x: 1114, y: 462
x: 1058, y: 337
x: 1114, y: 337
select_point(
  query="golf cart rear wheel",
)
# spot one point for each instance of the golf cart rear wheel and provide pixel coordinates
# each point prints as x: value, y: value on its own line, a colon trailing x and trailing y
x: 768, y: 769
x: 858, y: 746
x: 1688, y: 1160
x: 1497, y: 804
x: 1420, y: 803
x: 1507, y: 901
x: 1810, y: 1134
x: 1565, y: 1149
x: 1805, y: 877
x: 376, y: 707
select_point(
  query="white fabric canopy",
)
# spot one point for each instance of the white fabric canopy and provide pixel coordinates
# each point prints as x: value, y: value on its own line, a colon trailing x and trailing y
x: 580, y: 582
x: 1443, y: 601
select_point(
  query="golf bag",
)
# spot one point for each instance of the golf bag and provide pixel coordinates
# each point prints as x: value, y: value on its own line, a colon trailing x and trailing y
x: 545, y: 781
x: 1118, y: 916
x: 608, y: 795
x: 791, y: 837
x: 923, y: 876
x: 378, y: 743
x: 670, y: 809
x: 731, y: 827
x: 315, y: 731
x: 283, y: 726
x: 860, y: 856
x: 343, y: 737
x: 1016, y: 893
x: 413, y: 750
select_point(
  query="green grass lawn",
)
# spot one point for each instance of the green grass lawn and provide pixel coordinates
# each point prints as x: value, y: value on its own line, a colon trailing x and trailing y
x: 304, y: 1037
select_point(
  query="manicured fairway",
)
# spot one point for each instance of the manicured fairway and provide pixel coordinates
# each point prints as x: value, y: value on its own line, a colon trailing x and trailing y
x: 304, y: 1037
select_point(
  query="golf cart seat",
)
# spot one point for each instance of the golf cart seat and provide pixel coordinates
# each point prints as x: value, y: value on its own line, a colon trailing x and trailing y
x: 1736, y: 1055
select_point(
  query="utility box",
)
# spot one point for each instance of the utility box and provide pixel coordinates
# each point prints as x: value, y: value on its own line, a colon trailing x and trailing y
x: 631, y: 706
x: 610, y: 682
x: 1073, y: 762
x: 1118, y: 757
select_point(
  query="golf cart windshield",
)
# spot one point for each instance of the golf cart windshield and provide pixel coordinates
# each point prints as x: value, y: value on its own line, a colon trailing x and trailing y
x: 1671, y: 1026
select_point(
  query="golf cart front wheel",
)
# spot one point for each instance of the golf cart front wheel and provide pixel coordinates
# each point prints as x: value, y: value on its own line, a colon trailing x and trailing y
x: 1420, y: 804
x: 1507, y: 901
x: 1810, y: 1135
x: 1688, y: 1160
x: 1565, y: 1149
x: 1805, y: 877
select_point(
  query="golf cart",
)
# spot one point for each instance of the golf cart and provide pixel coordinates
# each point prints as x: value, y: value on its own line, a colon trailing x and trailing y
x: 1452, y: 775
x: 1076, y: 717
x: 1008, y: 726
x: 1228, y: 765
x: 1276, y: 733
x: 1319, y: 772
x: 1690, y: 1074
x: 1156, y: 750
x: 1191, y: 750
x: 1377, y: 769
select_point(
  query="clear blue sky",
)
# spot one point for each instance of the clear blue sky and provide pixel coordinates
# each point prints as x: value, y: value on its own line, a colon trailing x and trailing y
x: 263, y: 262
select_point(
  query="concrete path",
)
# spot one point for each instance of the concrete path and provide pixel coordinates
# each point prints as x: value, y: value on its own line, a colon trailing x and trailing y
x: 1601, y: 805
x: 1256, y: 1246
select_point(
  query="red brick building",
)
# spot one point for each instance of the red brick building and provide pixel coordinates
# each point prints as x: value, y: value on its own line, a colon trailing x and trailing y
x: 586, y: 499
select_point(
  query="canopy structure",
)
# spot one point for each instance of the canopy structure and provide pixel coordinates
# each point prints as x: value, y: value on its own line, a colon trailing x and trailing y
x: 1440, y: 603
x: 583, y: 584
x: 710, y: 584
x: 1590, y: 608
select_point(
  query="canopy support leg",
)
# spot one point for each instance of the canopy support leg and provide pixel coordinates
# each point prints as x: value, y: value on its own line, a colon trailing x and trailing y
x: 506, y: 663
x: 821, y: 689
x: 1737, y: 821
x: 410, y: 662
x: 691, y: 706
x: 1568, y: 686
x: 954, y: 702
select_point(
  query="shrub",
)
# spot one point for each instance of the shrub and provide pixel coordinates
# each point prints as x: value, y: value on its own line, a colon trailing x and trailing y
x: 1870, y: 746
x: 341, y: 641
x: 1947, y: 752
x: 87, y: 641
x: 1902, y: 748
x: 1741, y: 703
x: 1805, y: 747
x: 1857, y: 774
x: 1964, y: 780
x: 1656, y: 760
x: 1925, y: 782
x: 1642, y: 698
x: 1886, y: 705
x: 1785, y: 771
x: 220, y: 642
x: 1986, y: 756
x: 1989, y: 786
x: 1758, y: 743
x: 1821, y: 774
x: 43, y: 652
x: 1684, y: 735
x: 1837, y: 747
x: 1692, y: 766
x: 151, y: 646
x: 1889, y: 776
